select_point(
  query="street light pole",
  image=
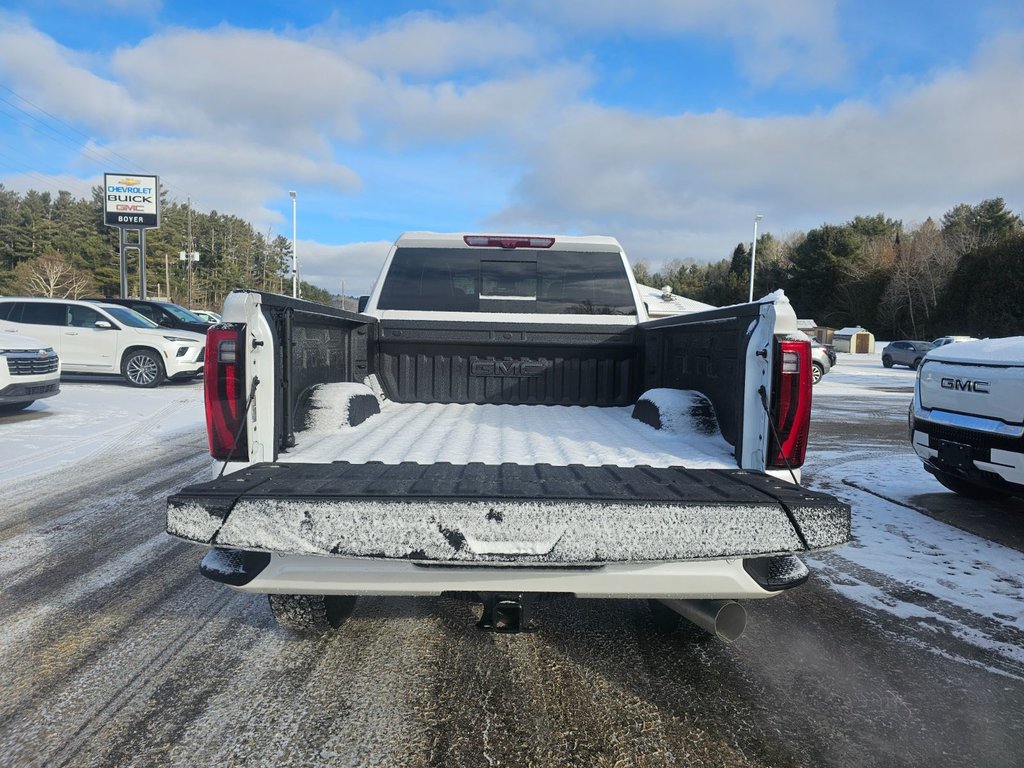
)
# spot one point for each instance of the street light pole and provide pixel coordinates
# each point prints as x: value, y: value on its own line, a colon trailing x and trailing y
x: 753, y: 253
x: 295, y: 252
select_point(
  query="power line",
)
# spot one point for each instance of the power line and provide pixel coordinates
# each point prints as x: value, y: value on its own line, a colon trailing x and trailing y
x: 58, y: 120
x: 99, y: 154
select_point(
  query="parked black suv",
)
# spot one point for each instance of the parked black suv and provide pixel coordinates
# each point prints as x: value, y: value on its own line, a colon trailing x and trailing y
x: 163, y: 313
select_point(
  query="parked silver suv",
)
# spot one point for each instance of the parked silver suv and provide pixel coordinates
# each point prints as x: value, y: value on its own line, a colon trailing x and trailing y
x: 908, y: 353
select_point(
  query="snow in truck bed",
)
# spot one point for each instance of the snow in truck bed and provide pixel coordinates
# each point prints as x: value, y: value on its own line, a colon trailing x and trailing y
x: 428, y: 433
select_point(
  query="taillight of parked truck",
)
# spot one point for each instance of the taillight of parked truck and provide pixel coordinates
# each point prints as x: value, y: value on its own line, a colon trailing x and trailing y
x: 791, y: 404
x: 224, y: 384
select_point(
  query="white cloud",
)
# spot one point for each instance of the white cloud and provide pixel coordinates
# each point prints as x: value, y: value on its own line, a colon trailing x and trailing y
x: 697, y: 180
x: 60, y: 81
x: 422, y: 45
x: 509, y: 108
x: 357, y: 265
x: 245, y: 83
x: 784, y: 39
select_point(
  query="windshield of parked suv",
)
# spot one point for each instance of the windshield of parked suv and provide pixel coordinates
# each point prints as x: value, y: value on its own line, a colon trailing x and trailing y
x: 129, y: 317
x: 519, y: 280
x: 182, y: 314
x: 923, y: 346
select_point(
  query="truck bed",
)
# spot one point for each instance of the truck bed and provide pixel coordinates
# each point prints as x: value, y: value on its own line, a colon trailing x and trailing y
x: 516, y: 484
x: 428, y: 433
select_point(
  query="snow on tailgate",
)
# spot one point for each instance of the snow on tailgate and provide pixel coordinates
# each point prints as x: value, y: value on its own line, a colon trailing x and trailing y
x: 507, y: 513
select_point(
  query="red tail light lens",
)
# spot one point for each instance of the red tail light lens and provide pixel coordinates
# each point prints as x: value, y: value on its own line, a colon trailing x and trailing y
x: 224, y: 385
x: 791, y: 404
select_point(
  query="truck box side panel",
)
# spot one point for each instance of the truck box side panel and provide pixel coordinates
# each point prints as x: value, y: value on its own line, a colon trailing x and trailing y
x: 706, y: 352
x: 507, y: 513
x: 504, y: 363
x: 313, y: 344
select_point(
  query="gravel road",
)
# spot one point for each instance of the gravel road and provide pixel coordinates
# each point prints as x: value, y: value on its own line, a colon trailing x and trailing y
x: 114, y: 651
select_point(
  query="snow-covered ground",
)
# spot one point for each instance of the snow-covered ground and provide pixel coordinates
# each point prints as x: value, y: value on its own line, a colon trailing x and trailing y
x: 91, y: 416
x: 935, y: 577
x: 938, y: 579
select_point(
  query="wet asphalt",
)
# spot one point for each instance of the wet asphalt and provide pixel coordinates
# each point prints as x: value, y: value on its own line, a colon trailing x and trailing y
x: 114, y: 651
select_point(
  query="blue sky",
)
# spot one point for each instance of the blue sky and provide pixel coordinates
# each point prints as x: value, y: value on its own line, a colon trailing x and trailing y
x: 665, y: 123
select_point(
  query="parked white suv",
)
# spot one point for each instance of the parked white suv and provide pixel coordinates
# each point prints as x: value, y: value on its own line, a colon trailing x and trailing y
x: 29, y: 371
x: 106, y: 338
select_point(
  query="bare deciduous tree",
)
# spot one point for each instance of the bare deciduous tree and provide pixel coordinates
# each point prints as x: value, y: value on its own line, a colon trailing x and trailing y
x: 53, y: 277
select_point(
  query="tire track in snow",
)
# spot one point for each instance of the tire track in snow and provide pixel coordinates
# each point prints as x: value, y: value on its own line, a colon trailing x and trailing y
x: 117, y: 437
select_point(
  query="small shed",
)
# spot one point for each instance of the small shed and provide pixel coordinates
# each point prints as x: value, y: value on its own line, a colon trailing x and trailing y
x: 822, y: 333
x: 854, y: 339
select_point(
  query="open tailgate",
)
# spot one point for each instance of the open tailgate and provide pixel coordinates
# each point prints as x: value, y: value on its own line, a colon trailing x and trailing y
x: 507, y: 513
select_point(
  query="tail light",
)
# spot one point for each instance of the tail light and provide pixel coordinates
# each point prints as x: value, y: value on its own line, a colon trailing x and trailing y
x: 508, y: 241
x: 791, y: 404
x: 224, y: 385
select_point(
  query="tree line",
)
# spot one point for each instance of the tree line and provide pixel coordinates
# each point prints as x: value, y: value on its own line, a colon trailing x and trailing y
x: 59, y: 246
x: 961, y: 275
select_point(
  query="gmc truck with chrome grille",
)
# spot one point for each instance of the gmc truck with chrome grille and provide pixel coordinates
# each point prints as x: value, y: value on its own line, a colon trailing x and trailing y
x: 502, y: 420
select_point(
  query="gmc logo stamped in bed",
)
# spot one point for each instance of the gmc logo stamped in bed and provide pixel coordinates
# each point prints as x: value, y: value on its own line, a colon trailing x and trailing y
x: 521, y: 368
x: 964, y: 385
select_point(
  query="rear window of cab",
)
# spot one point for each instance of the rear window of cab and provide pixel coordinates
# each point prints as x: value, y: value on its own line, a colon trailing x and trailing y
x: 519, y: 281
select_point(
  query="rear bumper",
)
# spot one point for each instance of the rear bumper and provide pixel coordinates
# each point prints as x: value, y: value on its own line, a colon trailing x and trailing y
x: 259, y: 573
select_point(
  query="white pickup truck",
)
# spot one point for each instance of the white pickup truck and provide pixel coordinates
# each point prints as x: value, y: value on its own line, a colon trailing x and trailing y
x: 503, y: 420
x: 967, y: 418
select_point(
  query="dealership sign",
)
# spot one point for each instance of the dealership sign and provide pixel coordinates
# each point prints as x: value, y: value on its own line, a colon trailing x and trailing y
x: 130, y: 201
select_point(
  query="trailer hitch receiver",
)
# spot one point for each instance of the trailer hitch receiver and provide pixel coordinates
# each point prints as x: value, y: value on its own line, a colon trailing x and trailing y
x: 506, y: 613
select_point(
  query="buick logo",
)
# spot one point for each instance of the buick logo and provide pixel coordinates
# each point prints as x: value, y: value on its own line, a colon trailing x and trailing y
x: 964, y: 385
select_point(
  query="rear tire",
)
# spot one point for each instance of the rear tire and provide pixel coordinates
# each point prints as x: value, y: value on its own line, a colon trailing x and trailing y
x: 887, y: 361
x: 969, y: 490
x: 816, y: 373
x: 311, y: 614
x: 142, y: 368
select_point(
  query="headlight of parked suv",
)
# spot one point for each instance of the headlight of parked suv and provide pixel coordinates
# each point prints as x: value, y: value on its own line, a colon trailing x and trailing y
x: 179, y: 338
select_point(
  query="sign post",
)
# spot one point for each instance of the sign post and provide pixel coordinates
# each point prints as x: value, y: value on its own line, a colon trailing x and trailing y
x: 132, y: 204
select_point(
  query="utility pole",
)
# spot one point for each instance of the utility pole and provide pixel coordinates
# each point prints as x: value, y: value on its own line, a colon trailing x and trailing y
x: 295, y: 251
x: 189, y: 255
x: 753, y: 252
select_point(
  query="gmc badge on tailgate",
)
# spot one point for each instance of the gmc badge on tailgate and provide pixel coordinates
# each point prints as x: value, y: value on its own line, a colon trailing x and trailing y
x: 521, y: 368
x: 964, y: 385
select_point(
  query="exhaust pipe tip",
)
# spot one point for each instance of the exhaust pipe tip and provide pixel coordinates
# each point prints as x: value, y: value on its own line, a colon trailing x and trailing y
x: 725, y: 619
